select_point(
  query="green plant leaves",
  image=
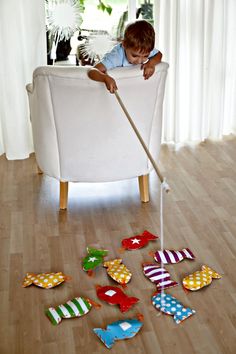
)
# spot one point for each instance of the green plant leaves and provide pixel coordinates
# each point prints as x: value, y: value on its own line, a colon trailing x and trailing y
x: 104, y: 7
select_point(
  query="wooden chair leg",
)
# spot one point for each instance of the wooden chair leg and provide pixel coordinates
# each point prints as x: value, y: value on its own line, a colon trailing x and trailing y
x: 144, y: 188
x: 40, y: 172
x: 63, y: 195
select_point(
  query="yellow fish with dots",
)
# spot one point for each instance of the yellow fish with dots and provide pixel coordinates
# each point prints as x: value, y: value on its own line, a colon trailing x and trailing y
x: 200, y: 278
x: 118, y: 271
x: 45, y: 280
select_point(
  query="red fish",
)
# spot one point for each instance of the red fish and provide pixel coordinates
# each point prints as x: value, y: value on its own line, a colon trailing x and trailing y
x: 115, y: 296
x: 138, y: 241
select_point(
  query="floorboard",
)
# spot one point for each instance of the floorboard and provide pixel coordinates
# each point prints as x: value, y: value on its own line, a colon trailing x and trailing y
x: 199, y: 213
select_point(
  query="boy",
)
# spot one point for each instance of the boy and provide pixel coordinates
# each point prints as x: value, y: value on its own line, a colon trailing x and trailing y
x: 137, y: 47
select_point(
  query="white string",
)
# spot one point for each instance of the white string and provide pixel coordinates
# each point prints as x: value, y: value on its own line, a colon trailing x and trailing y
x: 161, y: 219
x: 164, y: 187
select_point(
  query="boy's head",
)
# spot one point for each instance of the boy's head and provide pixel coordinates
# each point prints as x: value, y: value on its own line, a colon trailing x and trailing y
x: 139, y: 41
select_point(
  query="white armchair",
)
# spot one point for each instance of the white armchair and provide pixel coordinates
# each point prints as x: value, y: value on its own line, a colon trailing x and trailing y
x: 81, y: 133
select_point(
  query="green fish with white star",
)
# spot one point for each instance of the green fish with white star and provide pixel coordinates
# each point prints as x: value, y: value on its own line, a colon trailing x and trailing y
x: 93, y: 259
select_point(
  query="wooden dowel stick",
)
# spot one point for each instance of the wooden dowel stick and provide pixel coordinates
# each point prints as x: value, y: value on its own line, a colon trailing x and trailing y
x: 140, y: 138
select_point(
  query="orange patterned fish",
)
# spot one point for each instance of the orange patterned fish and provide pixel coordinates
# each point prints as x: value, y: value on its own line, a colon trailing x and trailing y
x: 45, y: 280
x: 201, y: 278
x: 118, y: 271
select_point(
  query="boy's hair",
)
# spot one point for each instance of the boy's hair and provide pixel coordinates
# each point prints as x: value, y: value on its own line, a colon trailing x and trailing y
x: 139, y: 35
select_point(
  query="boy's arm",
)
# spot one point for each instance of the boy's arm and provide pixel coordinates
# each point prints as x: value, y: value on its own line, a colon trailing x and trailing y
x: 99, y: 73
x: 156, y: 59
x: 149, y: 67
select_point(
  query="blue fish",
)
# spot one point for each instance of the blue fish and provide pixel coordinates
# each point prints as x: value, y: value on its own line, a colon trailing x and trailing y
x: 171, y: 306
x: 122, y: 329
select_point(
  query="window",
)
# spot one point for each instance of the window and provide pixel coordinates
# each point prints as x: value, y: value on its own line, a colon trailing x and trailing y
x: 146, y: 8
x: 96, y: 21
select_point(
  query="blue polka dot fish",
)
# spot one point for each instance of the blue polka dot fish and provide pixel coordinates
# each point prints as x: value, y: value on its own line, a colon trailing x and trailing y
x: 169, y: 305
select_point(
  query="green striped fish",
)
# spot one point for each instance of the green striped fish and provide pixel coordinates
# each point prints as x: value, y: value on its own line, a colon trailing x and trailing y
x: 76, y: 307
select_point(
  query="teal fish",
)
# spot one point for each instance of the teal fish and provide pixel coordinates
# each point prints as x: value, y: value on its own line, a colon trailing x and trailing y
x: 118, y: 330
x: 170, y: 305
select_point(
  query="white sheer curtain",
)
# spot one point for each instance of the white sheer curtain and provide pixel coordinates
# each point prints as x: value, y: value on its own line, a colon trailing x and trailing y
x: 197, y: 39
x: 23, y: 47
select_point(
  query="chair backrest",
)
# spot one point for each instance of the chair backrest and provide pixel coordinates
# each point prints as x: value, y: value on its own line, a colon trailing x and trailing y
x: 80, y: 131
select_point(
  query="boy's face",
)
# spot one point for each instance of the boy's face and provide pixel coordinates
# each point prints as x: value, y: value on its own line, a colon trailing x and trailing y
x: 135, y: 56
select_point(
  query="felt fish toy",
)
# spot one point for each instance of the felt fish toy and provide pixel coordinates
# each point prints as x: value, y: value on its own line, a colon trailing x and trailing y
x: 159, y: 276
x: 115, y: 296
x: 138, y: 241
x: 171, y: 306
x: 118, y: 271
x: 118, y: 330
x: 201, y: 278
x: 170, y: 256
x: 45, y: 280
x: 76, y: 307
x: 93, y: 259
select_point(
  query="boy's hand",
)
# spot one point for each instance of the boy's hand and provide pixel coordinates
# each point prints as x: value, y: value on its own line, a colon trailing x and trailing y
x: 99, y: 73
x: 148, y: 70
x: 110, y: 83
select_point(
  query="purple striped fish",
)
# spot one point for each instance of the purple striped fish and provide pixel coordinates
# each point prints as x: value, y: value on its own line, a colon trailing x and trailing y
x: 159, y: 276
x: 170, y: 256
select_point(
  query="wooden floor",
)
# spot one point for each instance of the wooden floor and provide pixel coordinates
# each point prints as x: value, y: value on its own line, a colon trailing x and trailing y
x: 199, y: 213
